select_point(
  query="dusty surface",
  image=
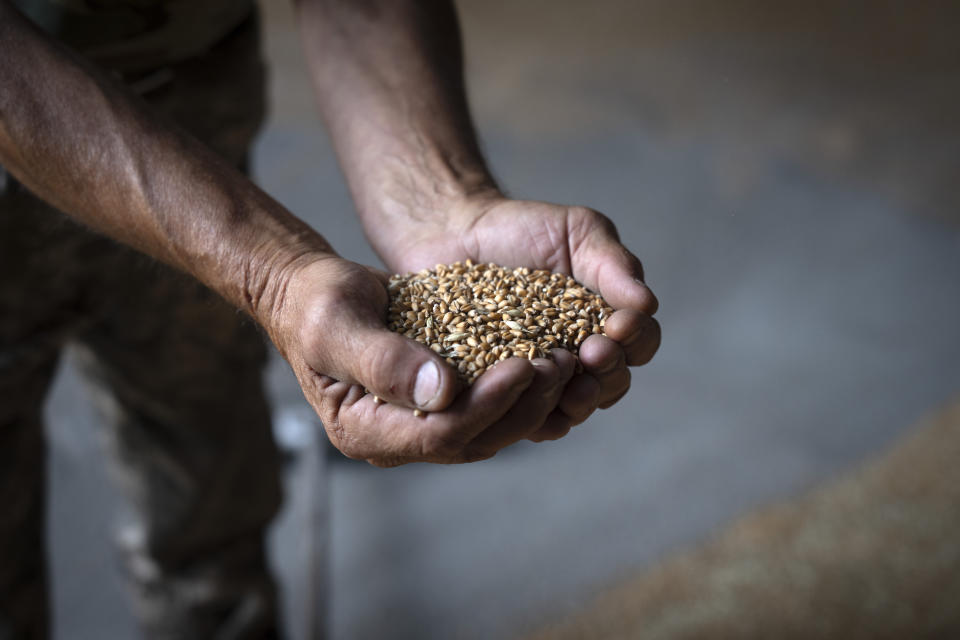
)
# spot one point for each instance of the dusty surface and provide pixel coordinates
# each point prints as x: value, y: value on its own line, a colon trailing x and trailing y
x: 872, y: 555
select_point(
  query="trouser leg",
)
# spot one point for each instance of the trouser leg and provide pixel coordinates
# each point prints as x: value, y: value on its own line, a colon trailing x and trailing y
x: 178, y: 378
x: 40, y: 305
x: 23, y: 571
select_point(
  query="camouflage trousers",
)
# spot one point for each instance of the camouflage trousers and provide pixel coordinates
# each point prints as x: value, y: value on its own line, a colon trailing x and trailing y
x: 177, y: 374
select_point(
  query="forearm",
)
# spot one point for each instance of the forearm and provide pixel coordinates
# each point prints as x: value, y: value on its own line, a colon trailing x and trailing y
x: 388, y: 76
x: 78, y: 140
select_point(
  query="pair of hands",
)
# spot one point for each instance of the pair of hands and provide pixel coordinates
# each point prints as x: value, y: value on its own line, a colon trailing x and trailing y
x: 330, y: 325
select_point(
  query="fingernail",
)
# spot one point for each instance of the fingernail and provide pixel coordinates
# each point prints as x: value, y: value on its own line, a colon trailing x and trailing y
x: 427, y: 385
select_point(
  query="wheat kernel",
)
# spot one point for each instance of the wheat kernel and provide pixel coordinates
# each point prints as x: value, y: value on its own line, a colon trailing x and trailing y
x: 476, y: 315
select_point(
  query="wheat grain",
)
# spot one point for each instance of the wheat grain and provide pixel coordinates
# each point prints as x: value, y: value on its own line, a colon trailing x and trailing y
x: 476, y: 315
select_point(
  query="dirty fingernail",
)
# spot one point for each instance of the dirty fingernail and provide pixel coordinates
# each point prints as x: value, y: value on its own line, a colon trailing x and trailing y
x: 427, y: 385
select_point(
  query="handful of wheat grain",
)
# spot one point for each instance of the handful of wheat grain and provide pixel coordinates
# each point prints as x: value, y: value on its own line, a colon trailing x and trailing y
x: 475, y: 315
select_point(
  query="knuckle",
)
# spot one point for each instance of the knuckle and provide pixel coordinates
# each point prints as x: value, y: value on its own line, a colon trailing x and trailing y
x: 326, y: 305
x: 319, y: 313
x: 377, y: 369
x: 584, y: 213
x: 591, y: 219
x: 337, y: 433
x: 343, y: 443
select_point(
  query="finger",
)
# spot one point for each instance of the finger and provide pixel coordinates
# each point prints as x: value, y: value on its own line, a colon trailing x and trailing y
x: 396, y: 369
x: 615, y: 388
x: 577, y: 401
x: 606, y: 361
x: 580, y: 398
x: 379, y: 274
x: 327, y: 396
x: 529, y: 411
x: 600, y: 355
x: 566, y: 361
x: 602, y: 263
x: 637, y: 333
x: 388, y: 435
x: 557, y: 425
x: 341, y: 333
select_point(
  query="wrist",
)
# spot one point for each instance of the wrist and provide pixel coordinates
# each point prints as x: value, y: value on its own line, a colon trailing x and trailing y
x: 410, y: 208
x: 424, y: 190
x: 269, y: 271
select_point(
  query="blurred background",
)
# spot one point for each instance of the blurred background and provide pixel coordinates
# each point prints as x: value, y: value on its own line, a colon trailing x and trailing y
x: 788, y: 465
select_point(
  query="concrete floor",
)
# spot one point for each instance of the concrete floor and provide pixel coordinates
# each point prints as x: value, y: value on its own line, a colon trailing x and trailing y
x: 787, y: 174
x: 872, y: 555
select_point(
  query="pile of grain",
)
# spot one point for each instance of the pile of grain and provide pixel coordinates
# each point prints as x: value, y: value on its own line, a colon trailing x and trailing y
x: 475, y: 315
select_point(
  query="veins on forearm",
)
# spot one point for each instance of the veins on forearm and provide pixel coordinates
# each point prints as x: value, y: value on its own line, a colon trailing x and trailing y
x: 78, y: 140
x: 390, y: 84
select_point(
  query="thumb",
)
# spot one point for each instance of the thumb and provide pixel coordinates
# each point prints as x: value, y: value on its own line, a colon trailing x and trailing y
x: 399, y: 370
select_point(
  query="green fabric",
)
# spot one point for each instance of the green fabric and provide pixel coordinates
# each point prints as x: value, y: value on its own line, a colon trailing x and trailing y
x: 138, y: 35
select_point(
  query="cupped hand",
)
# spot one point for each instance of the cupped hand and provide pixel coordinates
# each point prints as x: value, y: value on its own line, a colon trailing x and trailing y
x: 573, y: 240
x: 328, y: 322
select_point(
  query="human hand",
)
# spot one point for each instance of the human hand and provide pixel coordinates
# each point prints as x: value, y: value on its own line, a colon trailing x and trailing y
x: 572, y: 240
x: 328, y: 322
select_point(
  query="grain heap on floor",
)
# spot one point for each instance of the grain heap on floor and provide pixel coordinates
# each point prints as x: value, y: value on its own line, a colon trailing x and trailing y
x: 475, y: 315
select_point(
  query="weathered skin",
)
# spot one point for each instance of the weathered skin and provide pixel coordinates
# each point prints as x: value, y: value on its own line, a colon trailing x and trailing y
x: 389, y: 85
x: 177, y: 373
